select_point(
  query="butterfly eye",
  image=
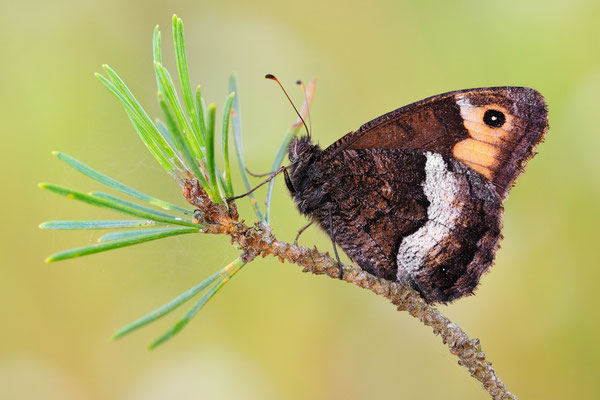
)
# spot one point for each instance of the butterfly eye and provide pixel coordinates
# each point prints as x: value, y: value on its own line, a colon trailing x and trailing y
x: 302, y: 147
x: 494, y: 118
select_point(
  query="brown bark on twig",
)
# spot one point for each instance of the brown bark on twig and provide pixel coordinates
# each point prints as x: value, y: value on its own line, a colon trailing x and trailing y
x: 258, y: 240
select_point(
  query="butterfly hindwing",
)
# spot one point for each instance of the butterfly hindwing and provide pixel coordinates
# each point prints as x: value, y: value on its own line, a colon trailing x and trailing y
x: 376, y: 198
x: 411, y: 216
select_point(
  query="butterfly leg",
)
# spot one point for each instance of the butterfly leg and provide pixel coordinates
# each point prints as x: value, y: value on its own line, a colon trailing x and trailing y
x: 257, y: 175
x: 288, y: 181
x: 300, y: 232
x: 269, y: 179
x: 332, y: 234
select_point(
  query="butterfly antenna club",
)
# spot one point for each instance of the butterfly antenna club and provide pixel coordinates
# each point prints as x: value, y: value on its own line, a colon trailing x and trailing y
x: 299, y: 82
x: 273, y: 78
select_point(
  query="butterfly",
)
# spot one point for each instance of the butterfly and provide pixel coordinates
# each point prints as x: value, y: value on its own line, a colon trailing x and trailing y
x: 416, y: 195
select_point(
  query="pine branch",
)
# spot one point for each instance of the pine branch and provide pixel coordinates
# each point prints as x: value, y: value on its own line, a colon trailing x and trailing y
x: 258, y: 240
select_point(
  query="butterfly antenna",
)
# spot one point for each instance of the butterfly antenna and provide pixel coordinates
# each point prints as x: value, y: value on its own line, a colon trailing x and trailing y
x: 273, y: 78
x: 299, y: 82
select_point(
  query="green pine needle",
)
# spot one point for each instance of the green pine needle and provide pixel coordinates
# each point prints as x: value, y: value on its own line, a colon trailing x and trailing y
x: 179, y: 300
x: 281, y: 152
x: 135, y: 233
x: 96, y: 224
x: 110, y: 182
x: 167, y: 88
x: 232, y: 269
x: 225, y: 134
x: 239, y: 146
x: 210, y: 145
x: 130, y: 204
x: 97, y: 201
x: 115, y: 244
x: 184, y: 81
x: 157, y: 48
x: 201, y: 110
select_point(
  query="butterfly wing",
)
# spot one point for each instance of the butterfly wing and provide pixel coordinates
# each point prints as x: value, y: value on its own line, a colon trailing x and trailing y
x: 493, y: 131
x: 417, y: 217
x: 375, y: 197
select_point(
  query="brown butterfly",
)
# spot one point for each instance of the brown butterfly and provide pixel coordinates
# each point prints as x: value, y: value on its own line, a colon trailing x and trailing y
x: 416, y: 194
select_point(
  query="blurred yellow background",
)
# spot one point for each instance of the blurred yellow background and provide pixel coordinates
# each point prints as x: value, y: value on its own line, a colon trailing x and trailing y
x: 273, y: 332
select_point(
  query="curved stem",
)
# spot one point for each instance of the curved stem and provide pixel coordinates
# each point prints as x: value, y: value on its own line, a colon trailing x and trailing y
x: 259, y: 240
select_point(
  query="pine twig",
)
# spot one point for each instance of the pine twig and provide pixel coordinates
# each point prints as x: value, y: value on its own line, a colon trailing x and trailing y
x: 258, y: 240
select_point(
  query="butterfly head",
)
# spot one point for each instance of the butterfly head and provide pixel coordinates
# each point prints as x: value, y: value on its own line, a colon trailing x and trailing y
x: 300, y: 148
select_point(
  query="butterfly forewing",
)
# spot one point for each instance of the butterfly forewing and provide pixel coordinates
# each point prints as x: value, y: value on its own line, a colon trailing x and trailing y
x: 492, y: 130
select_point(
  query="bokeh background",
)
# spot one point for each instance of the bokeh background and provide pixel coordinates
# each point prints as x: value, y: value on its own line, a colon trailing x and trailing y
x: 274, y: 332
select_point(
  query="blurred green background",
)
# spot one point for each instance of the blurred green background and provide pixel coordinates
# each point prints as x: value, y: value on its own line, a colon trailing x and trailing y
x: 273, y: 332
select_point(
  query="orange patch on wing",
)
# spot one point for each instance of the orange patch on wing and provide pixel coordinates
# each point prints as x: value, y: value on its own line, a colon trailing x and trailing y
x: 480, y: 156
x: 496, y: 136
x: 473, y: 122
